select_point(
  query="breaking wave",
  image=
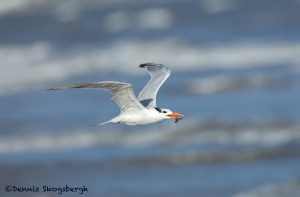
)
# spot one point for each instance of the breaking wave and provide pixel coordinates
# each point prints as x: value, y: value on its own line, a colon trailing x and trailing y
x: 291, y: 188
x: 231, y: 83
x: 189, y: 133
x: 49, y: 66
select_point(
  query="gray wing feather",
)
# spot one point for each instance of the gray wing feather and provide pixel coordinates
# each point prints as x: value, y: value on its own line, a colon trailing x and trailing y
x: 122, y: 93
x: 159, y: 74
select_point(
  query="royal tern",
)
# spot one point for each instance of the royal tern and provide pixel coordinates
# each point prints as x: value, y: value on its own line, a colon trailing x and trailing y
x: 135, y: 111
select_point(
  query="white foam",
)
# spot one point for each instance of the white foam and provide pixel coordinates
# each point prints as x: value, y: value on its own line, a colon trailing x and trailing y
x: 216, y: 6
x: 67, y: 11
x: 188, y: 132
x: 8, y: 6
x: 117, y: 21
x: 155, y: 18
x: 40, y: 63
x: 227, y: 82
x: 274, y: 190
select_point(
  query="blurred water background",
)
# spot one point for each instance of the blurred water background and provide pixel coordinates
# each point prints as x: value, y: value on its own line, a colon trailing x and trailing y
x: 235, y: 75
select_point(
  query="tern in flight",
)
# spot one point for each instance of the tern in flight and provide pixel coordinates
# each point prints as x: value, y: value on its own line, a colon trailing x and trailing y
x: 135, y: 111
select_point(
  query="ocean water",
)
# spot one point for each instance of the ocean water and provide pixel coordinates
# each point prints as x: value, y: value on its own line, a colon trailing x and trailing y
x: 235, y: 77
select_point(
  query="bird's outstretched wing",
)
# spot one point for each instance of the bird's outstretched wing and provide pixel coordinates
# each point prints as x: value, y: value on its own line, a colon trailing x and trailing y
x: 122, y: 93
x: 159, y: 74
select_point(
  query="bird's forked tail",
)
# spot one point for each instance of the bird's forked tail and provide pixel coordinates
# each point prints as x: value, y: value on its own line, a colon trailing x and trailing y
x: 103, y: 123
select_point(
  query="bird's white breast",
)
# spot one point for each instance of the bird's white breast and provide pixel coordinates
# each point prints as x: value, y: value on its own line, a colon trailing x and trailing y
x: 138, y: 117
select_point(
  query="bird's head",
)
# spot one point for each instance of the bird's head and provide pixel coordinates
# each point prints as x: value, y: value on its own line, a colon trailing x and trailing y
x: 168, y: 114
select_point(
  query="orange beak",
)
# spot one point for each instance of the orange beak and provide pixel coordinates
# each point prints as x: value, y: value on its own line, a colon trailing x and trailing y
x: 176, y: 116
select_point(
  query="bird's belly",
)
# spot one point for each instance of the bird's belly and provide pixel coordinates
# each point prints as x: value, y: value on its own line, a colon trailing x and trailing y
x: 139, y: 118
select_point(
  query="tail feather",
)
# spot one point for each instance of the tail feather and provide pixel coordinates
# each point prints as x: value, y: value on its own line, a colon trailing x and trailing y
x: 103, y: 123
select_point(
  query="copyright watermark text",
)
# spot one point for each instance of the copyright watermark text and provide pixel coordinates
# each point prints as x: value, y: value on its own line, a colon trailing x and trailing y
x: 46, y: 189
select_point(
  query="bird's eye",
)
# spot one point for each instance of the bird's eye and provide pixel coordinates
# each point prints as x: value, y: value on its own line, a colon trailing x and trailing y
x: 164, y: 112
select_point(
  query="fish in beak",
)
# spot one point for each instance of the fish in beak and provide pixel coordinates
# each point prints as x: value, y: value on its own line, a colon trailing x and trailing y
x: 175, y: 116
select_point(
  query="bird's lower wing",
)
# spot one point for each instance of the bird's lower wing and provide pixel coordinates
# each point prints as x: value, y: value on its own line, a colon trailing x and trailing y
x: 122, y: 93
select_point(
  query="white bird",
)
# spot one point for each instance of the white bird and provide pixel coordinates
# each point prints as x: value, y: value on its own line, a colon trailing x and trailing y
x: 135, y: 111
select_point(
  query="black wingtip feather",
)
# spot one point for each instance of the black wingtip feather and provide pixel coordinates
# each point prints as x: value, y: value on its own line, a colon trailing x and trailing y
x: 53, y: 88
x: 148, y: 65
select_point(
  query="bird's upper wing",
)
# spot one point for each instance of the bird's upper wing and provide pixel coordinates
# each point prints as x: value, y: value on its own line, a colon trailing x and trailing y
x: 122, y: 93
x: 159, y: 74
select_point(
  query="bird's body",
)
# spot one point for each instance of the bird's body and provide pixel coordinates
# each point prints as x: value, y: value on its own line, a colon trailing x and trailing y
x: 135, y: 111
x: 138, y: 117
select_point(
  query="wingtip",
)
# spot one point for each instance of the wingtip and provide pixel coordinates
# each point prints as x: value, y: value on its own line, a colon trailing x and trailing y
x: 53, y: 88
x: 148, y: 65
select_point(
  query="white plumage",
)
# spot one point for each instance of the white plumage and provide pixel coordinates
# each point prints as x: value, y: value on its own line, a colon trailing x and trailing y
x: 135, y: 111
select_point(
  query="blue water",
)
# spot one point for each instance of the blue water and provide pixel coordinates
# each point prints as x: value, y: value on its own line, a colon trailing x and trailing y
x: 206, y: 154
x: 102, y: 167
